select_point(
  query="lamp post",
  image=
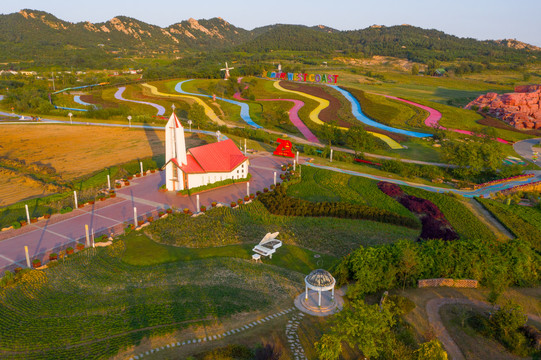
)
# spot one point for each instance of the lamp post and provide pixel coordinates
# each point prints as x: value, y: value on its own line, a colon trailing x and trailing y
x: 129, y: 120
x: 70, y: 115
x: 190, y: 123
x: 218, y: 134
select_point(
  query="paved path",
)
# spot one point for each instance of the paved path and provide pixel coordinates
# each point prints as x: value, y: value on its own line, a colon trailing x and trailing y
x: 434, y: 117
x: 208, y: 110
x: 324, y: 103
x: 433, y: 307
x: 77, y: 99
x: 486, y: 191
x: 293, y: 116
x: 244, y: 108
x: 218, y: 336
x: 120, y: 91
x: 524, y: 149
x: 63, y: 230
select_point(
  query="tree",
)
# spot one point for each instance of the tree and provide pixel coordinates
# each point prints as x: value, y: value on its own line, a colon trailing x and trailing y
x: 366, y: 326
x: 359, y: 140
x: 415, y: 69
x: 431, y: 350
x: 197, y: 114
x: 509, y: 318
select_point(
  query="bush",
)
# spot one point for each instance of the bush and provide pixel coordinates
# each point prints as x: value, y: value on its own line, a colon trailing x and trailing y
x: 66, y: 210
x: 69, y: 251
x: 36, y: 263
x: 246, y: 198
x: 16, y: 224
x: 80, y: 246
x: 239, y: 201
x: 233, y: 204
x: 53, y: 256
x: 214, y: 203
x: 203, y: 208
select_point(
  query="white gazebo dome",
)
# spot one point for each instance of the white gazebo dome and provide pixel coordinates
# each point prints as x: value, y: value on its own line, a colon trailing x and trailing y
x: 320, y: 280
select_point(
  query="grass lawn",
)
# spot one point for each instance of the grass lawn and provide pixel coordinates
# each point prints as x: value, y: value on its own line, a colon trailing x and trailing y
x: 249, y: 223
x: 94, y: 305
x: 142, y: 251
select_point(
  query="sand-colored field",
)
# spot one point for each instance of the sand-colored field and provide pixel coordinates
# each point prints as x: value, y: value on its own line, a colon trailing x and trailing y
x: 14, y: 187
x: 72, y: 151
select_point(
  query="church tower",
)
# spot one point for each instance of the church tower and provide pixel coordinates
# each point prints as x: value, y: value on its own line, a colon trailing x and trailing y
x: 175, y: 154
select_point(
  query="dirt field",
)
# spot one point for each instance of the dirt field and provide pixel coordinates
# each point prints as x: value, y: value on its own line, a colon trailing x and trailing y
x: 71, y: 151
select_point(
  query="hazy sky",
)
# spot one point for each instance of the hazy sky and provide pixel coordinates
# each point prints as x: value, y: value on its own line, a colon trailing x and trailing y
x: 480, y: 19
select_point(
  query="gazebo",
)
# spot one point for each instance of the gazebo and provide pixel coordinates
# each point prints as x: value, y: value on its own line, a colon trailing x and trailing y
x: 319, y: 280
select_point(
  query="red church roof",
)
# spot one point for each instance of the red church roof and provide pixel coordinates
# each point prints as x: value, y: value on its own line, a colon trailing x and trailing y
x: 222, y: 156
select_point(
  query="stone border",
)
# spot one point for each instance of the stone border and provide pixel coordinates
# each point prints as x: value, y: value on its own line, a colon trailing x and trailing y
x: 458, y: 283
x: 214, y: 337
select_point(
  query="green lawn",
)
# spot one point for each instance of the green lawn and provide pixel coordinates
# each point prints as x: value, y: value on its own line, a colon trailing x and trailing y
x: 142, y: 251
x: 249, y: 223
x: 93, y: 305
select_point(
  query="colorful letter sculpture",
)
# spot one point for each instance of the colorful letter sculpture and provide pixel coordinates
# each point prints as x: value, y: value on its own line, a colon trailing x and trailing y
x: 284, y: 148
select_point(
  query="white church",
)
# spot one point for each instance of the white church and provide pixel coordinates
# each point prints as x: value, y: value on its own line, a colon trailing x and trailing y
x: 202, y: 165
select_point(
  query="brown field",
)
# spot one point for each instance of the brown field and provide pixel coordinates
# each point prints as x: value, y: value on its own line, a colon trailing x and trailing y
x: 71, y: 151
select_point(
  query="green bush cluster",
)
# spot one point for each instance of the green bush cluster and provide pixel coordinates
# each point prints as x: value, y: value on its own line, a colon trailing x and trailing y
x: 278, y: 203
x: 404, y: 262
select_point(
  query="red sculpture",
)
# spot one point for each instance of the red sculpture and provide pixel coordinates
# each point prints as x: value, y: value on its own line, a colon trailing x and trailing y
x: 284, y: 148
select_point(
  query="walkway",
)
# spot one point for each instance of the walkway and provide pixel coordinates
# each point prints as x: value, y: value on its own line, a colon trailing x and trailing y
x: 118, y: 96
x: 357, y: 112
x: 208, y: 110
x: 218, y: 336
x: 77, y: 99
x: 433, y: 307
x: 293, y: 115
x: 244, y: 108
x: 323, y: 103
x: 524, y: 149
x: 112, y: 215
x: 486, y: 191
x: 434, y: 117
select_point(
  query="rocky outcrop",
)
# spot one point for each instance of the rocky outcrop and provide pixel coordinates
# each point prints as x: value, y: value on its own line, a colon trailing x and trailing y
x: 521, y: 109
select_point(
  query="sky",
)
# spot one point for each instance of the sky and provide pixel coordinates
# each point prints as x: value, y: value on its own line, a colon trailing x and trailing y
x: 479, y: 19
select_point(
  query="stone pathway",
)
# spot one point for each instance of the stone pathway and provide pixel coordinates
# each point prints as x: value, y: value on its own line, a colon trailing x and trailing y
x: 293, y: 338
x: 223, y: 335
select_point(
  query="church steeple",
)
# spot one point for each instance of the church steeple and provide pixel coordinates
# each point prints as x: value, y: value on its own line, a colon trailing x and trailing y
x: 175, y: 145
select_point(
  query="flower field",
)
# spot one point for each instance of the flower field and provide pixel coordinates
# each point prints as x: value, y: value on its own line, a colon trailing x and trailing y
x: 324, y: 185
x: 466, y: 224
x: 93, y: 305
x: 249, y: 223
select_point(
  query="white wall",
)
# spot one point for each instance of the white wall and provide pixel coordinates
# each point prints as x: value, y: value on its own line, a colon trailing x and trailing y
x: 195, y: 180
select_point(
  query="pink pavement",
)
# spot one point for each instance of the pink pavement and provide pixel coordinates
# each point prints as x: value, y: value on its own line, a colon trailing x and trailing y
x: 293, y: 116
x: 434, y: 117
x: 112, y: 215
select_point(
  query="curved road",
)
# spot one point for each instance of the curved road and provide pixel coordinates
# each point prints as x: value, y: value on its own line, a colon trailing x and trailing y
x: 524, y: 149
x: 434, y: 117
x: 486, y: 191
x: 293, y: 116
x: 244, y: 108
x: 118, y: 96
x: 208, y: 110
x: 323, y: 103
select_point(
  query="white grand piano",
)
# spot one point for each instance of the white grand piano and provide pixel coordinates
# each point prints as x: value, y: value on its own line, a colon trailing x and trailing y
x: 267, y: 246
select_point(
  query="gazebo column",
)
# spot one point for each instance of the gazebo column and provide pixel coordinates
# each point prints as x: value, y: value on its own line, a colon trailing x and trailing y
x: 332, y: 294
x: 306, y: 296
x: 319, y: 300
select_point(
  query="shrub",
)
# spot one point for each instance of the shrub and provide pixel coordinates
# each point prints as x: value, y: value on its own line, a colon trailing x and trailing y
x: 36, y: 263
x: 161, y: 213
x: 265, y: 190
x: 252, y: 196
x: 53, y: 256
x: 169, y: 211
x: 246, y: 198
x: 69, y: 251
x: 140, y: 222
x: 16, y: 224
x: 47, y: 216
x: 66, y: 210
x: 150, y: 219
x: 118, y: 186
x: 126, y: 183
x: 203, y: 208
x: 239, y: 201
x: 258, y: 193
x: 80, y: 246
x: 186, y: 210
x: 233, y: 204
x: 214, y: 203
x: 17, y: 270
x: 129, y: 177
x: 272, y: 186
x: 138, y: 175
x: 23, y: 223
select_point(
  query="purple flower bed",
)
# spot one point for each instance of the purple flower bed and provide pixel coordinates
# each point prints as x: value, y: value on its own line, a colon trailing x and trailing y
x: 435, y: 225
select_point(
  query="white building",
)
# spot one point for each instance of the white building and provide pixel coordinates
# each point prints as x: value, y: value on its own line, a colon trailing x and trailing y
x: 202, y: 165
